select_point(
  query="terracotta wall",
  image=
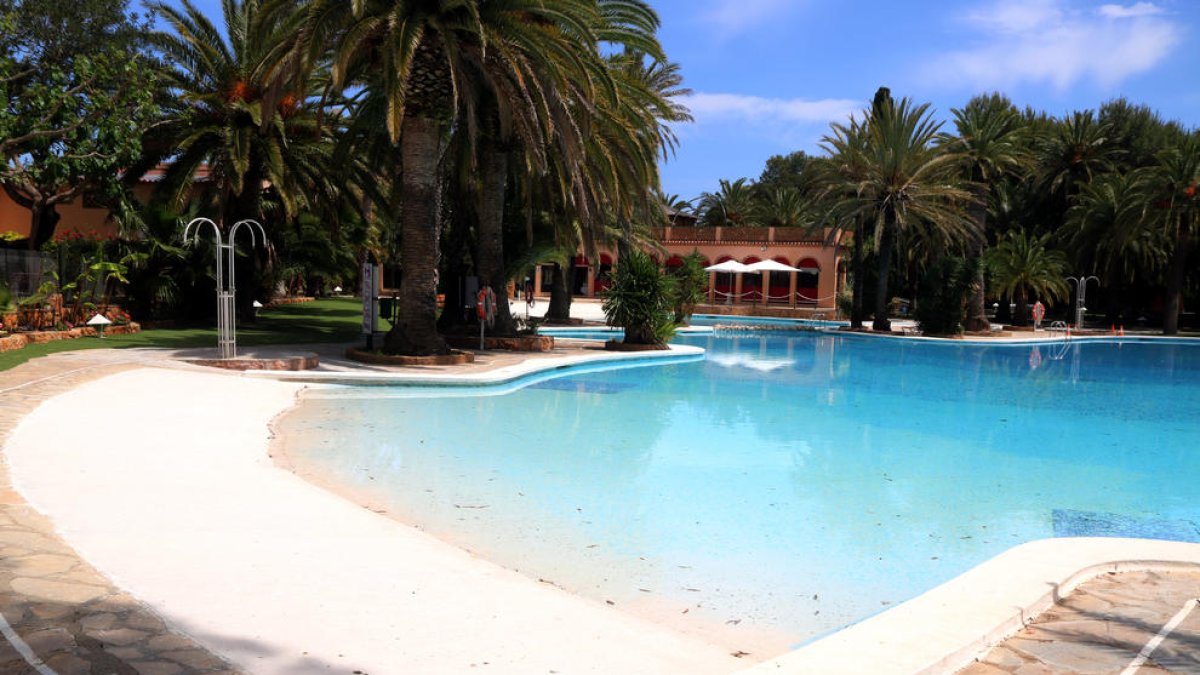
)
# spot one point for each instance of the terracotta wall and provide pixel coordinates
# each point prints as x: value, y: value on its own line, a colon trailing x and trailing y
x: 73, y: 216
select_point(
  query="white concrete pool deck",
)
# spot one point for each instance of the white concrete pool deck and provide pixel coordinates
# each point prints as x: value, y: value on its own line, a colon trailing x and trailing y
x: 189, y: 514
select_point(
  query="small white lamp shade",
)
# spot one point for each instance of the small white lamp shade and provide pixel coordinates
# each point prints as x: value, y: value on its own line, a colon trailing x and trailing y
x: 337, y: 289
x: 257, y: 305
x: 99, y: 321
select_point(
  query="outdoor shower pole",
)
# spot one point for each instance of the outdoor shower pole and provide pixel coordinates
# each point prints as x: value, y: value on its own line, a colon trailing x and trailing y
x: 1080, y: 297
x: 226, y: 291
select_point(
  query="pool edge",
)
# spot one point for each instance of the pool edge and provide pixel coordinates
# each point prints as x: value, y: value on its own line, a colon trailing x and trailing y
x: 506, y: 374
x: 946, y: 628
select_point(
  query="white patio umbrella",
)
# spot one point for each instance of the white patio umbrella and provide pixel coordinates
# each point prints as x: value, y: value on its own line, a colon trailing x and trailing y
x: 729, y: 267
x: 771, y: 266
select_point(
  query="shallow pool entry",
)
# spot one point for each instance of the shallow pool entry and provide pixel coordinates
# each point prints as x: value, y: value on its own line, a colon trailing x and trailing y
x: 790, y: 483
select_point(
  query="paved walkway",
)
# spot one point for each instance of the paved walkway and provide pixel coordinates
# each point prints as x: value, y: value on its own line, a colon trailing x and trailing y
x: 56, y: 608
x: 1109, y: 625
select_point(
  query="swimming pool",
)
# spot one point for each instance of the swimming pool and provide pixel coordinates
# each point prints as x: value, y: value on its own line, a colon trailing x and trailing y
x: 790, y: 483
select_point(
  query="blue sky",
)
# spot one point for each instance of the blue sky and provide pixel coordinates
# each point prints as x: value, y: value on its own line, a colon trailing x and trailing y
x: 770, y: 75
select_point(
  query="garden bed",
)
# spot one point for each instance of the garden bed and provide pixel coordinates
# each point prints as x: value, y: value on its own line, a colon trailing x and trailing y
x: 290, y: 301
x: 304, y: 362
x: 615, y: 346
x: 521, y: 343
x: 454, y: 358
x: 19, y: 340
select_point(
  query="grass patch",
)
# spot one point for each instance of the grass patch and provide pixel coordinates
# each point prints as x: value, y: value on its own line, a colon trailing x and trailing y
x: 330, y: 320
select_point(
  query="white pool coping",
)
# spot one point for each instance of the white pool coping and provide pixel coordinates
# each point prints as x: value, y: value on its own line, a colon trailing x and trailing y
x: 502, y: 375
x: 946, y: 628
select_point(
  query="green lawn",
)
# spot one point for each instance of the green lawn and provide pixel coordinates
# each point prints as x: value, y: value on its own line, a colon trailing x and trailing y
x: 332, y: 320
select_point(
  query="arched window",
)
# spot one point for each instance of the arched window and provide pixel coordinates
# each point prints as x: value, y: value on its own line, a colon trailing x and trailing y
x: 779, y: 284
x: 579, y: 282
x: 724, y: 283
x: 808, y: 279
x: 604, y: 273
x: 751, y: 282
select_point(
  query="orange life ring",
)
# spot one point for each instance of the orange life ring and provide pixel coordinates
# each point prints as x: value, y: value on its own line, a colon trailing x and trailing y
x: 1039, y: 311
x: 485, y: 305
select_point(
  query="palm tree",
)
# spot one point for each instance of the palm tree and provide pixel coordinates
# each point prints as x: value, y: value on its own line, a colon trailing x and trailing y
x: 428, y: 62
x: 1074, y: 150
x: 784, y: 207
x: 614, y: 199
x: 221, y: 118
x: 842, y: 178
x: 907, y: 181
x: 732, y: 205
x: 992, y: 145
x: 673, y: 202
x: 1174, y: 205
x: 1107, y: 231
x: 1023, y: 265
x: 515, y: 134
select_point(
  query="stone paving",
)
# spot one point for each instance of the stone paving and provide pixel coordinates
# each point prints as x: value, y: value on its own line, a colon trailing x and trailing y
x: 72, y: 618
x: 1102, y: 626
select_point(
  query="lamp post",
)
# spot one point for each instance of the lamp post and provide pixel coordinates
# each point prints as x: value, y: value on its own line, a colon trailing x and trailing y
x: 1080, y: 295
x: 226, y: 288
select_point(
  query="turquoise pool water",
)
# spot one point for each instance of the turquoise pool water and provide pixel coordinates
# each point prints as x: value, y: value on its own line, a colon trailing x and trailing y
x: 789, y: 482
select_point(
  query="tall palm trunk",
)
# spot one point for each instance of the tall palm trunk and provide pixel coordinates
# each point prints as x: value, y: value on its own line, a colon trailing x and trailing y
x: 454, y: 270
x: 1175, y: 276
x: 859, y: 268
x: 1020, y: 300
x: 560, y: 294
x: 415, y: 332
x: 977, y: 304
x: 886, y: 239
x: 490, y: 263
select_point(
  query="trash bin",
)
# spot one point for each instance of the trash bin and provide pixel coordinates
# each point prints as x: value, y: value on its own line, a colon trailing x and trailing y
x: 387, y: 309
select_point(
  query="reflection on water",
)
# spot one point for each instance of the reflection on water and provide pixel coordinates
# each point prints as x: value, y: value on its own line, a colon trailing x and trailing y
x: 795, y: 482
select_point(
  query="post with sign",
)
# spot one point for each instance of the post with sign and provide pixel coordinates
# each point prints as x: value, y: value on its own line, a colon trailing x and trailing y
x: 370, y: 302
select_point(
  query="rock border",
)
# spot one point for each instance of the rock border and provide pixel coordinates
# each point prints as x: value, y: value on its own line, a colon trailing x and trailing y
x: 302, y: 362
x: 21, y: 340
x: 519, y: 343
x: 454, y: 358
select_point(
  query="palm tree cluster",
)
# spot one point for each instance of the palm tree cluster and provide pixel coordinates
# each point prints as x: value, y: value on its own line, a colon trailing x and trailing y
x: 776, y: 199
x: 1033, y: 198
x: 427, y: 133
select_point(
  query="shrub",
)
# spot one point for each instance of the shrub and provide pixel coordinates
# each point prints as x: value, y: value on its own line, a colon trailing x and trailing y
x: 638, y: 301
x: 941, y: 302
x: 686, y: 285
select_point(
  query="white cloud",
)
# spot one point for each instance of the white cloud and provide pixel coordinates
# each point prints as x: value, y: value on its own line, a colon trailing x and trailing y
x: 1016, y: 17
x: 1052, y: 42
x: 756, y: 109
x: 728, y: 18
x: 1135, y: 10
